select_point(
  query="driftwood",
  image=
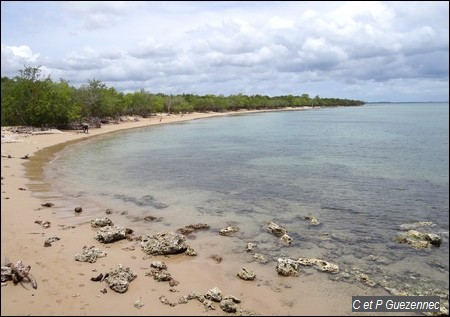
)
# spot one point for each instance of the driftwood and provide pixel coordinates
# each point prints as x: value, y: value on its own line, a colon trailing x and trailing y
x: 16, y: 273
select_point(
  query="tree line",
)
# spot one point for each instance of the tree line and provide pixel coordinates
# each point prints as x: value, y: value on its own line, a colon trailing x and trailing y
x: 34, y: 99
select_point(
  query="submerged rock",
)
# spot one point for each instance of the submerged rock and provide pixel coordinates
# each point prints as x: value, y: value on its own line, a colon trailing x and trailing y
x: 364, y: 278
x: 279, y: 231
x: 402, y: 286
x: 286, y: 238
x: 276, y: 229
x: 228, y: 230
x: 415, y: 225
x: 321, y: 265
x: 250, y: 246
x: 260, y: 258
x: 191, y: 228
x: 378, y: 259
x: 312, y: 220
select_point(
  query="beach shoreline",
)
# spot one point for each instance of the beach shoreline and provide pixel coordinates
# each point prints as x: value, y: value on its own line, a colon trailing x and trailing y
x: 64, y: 286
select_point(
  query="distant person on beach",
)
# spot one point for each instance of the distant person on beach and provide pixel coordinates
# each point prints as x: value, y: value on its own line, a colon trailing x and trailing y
x: 85, y: 127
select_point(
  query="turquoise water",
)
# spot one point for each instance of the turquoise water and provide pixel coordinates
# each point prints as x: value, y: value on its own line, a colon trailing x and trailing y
x: 362, y: 171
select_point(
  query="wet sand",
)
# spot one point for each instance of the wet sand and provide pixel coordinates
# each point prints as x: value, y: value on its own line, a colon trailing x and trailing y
x: 64, y: 285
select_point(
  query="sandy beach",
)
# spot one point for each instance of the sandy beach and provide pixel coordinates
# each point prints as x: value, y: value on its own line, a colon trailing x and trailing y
x: 65, y: 286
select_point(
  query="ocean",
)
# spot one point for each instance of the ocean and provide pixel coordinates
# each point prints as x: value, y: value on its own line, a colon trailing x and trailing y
x: 362, y: 172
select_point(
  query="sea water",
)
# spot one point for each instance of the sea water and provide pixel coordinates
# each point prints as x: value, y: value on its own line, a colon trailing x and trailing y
x: 361, y: 171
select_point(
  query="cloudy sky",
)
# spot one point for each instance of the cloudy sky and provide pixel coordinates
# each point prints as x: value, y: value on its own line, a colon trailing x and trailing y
x: 372, y: 51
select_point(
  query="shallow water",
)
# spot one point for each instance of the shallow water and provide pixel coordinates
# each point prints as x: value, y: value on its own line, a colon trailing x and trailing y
x: 362, y: 171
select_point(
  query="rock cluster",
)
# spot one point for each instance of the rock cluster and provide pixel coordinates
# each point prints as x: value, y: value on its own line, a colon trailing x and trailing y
x: 164, y: 243
x: 90, y: 254
x: 279, y: 231
x: 119, y: 278
x: 109, y: 234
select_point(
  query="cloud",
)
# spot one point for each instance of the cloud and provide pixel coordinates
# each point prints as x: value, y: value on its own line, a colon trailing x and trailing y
x: 14, y: 58
x: 280, y: 23
x: 232, y: 47
x: 99, y: 14
x: 150, y: 48
x: 23, y: 52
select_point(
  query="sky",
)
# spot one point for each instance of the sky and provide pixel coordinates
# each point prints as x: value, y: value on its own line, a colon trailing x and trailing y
x: 371, y: 51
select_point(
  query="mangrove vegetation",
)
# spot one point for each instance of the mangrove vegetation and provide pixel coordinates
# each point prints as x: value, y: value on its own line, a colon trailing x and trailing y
x: 34, y: 99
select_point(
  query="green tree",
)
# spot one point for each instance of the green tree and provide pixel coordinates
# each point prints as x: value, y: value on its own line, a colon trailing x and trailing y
x: 26, y: 98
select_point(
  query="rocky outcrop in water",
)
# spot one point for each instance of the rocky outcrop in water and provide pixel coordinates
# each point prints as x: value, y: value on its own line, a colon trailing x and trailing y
x: 260, y: 258
x: 403, y: 286
x: 432, y: 238
x: 415, y: 225
x: 321, y: 265
x: 192, y: 228
x: 147, y: 200
x: 276, y: 229
x: 250, y: 246
x: 312, y: 220
x: 290, y: 267
x: 228, y: 230
x: 419, y: 240
x: 279, y: 231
